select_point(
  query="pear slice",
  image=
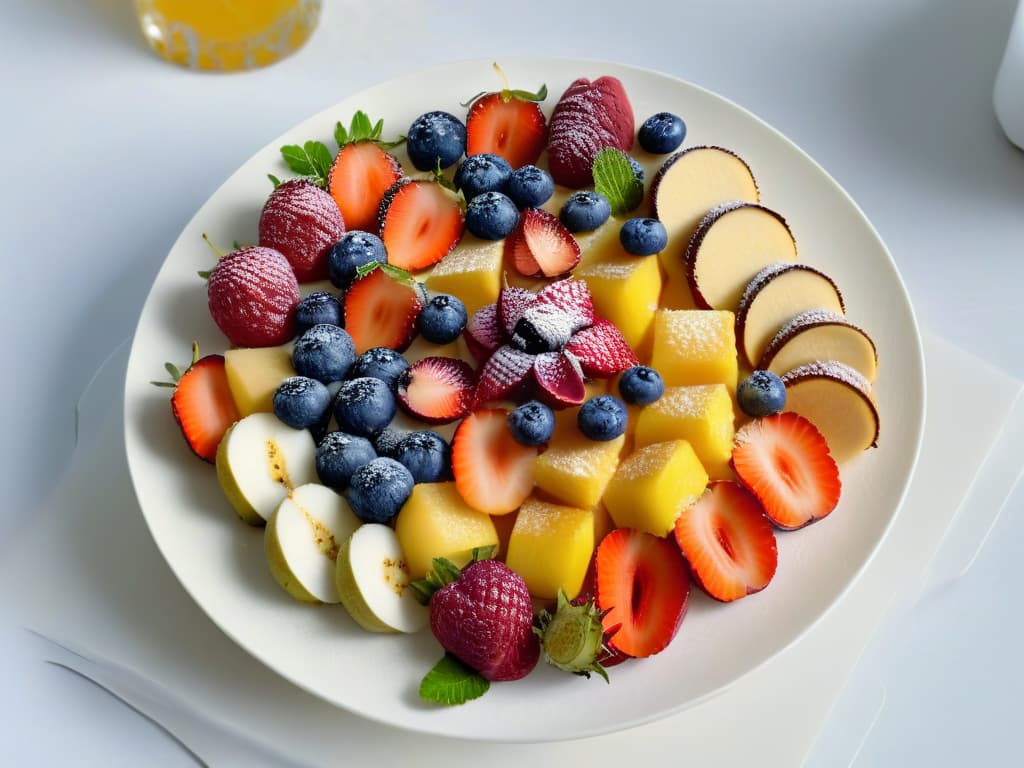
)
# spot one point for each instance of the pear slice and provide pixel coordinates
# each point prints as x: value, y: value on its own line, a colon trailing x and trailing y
x: 774, y: 296
x: 302, y: 539
x: 838, y: 401
x: 372, y: 579
x: 818, y: 334
x: 260, y: 460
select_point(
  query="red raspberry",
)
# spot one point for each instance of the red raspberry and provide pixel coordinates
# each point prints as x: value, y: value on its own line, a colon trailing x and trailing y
x: 252, y: 295
x: 303, y: 222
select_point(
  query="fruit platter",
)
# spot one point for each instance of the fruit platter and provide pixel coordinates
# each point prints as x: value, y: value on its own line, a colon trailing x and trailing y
x: 524, y: 403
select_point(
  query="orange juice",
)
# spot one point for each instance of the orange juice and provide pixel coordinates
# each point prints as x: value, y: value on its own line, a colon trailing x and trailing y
x: 226, y: 35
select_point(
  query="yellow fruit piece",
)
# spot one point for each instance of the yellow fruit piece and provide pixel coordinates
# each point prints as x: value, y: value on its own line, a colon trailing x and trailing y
x: 695, y: 346
x: 653, y: 485
x: 436, y: 522
x: 675, y: 291
x: 575, y: 470
x: 701, y: 415
x: 550, y: 547
x: 472, y: 272
x: 255, y: 374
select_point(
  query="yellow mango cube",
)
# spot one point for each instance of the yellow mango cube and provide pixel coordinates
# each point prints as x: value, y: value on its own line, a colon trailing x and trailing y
x: 702, y: 415
x: 436, y: 522
x: 695, y: 346
x: 653, y: 485
x: 550, y: 547
x: 472, y: 272
x: 255, y: 374
x: 575, y: 470
x: 675, y: 290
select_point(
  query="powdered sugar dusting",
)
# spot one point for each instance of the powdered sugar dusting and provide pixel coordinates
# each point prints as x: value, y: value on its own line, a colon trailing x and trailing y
x: 696, y: 333
x: 832, y: 369
x: 252, y: 295
x: 686, y: 402
x: 646, y: 461
x: 476, y: 257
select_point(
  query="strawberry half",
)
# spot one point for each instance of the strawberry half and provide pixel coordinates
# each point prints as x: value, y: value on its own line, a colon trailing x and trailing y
x: 559, y: 379
x: 381, y: 310
x: 728, y: 542
x: 601, y: 349
x: 644, y: 585
x: 482, y: 333
x: 361, y: 174
x: 493, y: 473
x: 202, y: 404
x: 437, y: 390
x: 571, y: 297
x: 785, y: 462
x: 541, y: 246
x: 509, y: 124
x: 420, y: 223
x: 505, y: 375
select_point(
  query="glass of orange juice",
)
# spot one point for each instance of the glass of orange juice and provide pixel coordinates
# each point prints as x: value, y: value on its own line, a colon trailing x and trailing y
x: 226, y: 35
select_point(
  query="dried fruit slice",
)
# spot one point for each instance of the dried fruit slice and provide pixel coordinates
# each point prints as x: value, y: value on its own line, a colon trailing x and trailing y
x: 493, y: 473
x: 818, y: 334
x: 436, y: 390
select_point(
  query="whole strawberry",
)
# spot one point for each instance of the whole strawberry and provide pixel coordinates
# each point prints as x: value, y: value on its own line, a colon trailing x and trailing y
x: 303, y: 222
x: 252, y: 294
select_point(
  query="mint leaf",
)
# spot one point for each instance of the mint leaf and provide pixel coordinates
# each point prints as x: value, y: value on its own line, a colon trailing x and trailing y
x: 321, y: 158
x: 615, y: 178
x: 451, y: 682
x: 312, y: 159
x: 296, y: 158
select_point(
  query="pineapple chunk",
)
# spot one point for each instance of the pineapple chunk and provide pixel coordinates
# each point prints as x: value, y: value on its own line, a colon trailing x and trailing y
x: 472, y: 272
x: 255, y: 374
x: 695, y: 346
x: 436, y: 522
x: 702, y: 415
x: 575, y: 470
x: 653, y: 485
x: 550, y: 548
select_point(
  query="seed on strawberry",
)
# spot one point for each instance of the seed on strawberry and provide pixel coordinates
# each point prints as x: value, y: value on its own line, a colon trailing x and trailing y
x: 303, y: 222
x: 728, y: 542
x: 252, y: 294
x: 785, y: 462
x: 381, y: 311
x: 601, y: 350
x: 361, y: 174
x: 483, y: 334
x: 437, y: 390
x: 541, y: 246
x: 570, y: 297
x: 509, y: 124
x: 420, y: 223
x: 493, y: 473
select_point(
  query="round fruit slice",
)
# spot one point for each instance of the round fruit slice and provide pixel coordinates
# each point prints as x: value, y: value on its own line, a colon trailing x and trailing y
x: 838, y: 401
x: 302, y: 540
x: 260, y: 461
x: 775, y: 295
x: 372, y: 579
x: 732, y: 243
x: 818, y: 334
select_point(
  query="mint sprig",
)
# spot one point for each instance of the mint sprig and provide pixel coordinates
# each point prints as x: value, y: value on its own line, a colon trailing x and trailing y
x: 615, y: 178
x: 451, y: 682
x: 312, y: 160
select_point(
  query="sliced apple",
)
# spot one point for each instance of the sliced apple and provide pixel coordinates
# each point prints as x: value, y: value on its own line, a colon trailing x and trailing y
x: 302, y: 540
x: 372, y: 579
x: 774, y: 296
x: 732, y: 243
x: 260, y: 460
x: 818, y: 334
x: 838, y: 401
x: 688, y: 185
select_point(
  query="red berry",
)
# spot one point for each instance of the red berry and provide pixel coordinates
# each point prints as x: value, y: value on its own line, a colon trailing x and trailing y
x: 437, y: 390
x: 361, y: 174
x: 303, y: 222
x: 541, y: 246
x: 507, y: 126
x: 420, y: 223
x: 601, y: 350
x: 203, y: 406
x: 483, y: 334
x: 493, y: 473
x: 381, y: 311
x: 252, y: 294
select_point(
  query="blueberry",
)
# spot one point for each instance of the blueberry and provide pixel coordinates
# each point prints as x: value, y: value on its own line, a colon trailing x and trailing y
x: 323, y: 352
x: 381, y: 363
x: 386, y: 441
x: 662, y: 133
x: 300, y: 402
x: 435, y: 138
x: 532, y: 423
x: 355, y: 249
x: 638, y: 170
x: 319, y: 307
x: 491, y: 216
x: 364, y: 406
x: 482, y: 173
x: 602, y: 418
x: 339, y: 455
x: 643, y: 236
x: 641, y: 385
x: 530, y: 187
x: 442, y: 319
x: 762, y: 393
x: 426, y: 455
x: 584, y: 211
x: 378, y: 490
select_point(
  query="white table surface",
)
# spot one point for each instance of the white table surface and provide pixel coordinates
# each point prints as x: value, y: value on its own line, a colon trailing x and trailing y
x: 109, y: 151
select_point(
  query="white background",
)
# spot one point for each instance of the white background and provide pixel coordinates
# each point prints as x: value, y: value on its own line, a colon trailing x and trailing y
x: 109, y: 151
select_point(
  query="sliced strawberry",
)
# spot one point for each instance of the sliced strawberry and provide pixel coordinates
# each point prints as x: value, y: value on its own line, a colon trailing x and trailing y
x: 505, y: 375
x: 785, y: 462
x: 512, y: 302
x: 381, y: 310
x: 601, y: 350
x: 559, y: 379
x: 644, y: 585
x: 571, y: 297
x: 506, y: 125
x: 483, y: 333
x: 361, y: 174
x: 420, y: 223
x: 203, y: 406
x: 493, y: 473
x: 728, y: 542
x: 541, y: 246
x: 437, y: 390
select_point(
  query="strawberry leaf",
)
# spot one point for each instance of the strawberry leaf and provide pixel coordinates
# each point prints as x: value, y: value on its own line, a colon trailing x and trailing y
x: 312, y: 159
x: 395, y: 273
x: 615, y: 178
x: 362, y: 129
x: 274, y: 180
x: 451, y: 682
x: 540, y: 95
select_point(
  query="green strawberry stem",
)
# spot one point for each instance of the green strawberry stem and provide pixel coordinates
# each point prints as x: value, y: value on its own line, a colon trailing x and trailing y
x: 175, y: 372
x: 444, y: 571
x: 573, y: 638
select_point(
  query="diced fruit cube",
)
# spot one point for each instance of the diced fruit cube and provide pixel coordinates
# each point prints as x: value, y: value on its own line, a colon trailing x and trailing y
x: 472, y: 272
x: 576, y: 470
x: 653, y: 485
x: 550, y: 547
x: 702, y: 415
x: 255, y: 374
x: 436, y: 522
x: 694, y: 346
